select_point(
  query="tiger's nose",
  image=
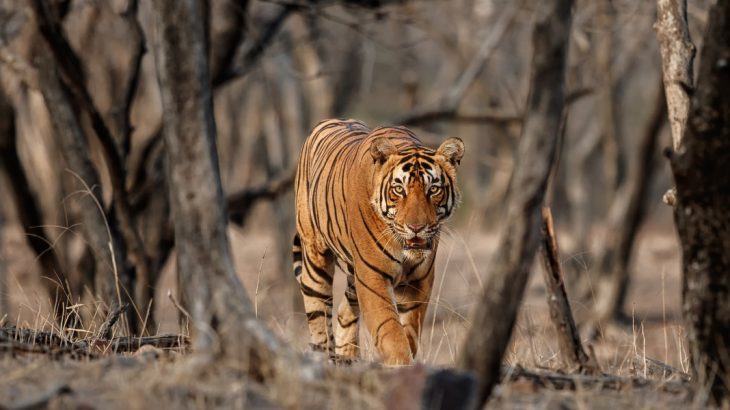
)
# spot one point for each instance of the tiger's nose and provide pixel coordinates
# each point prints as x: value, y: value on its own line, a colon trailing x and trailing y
x: 415, y: 228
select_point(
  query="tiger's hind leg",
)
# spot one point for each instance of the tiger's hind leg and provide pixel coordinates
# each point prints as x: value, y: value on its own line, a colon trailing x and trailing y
x: 314, y: 271
x: 347, y: 328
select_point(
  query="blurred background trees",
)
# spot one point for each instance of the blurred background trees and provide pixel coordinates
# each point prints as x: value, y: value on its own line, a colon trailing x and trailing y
x: 84, y: 173
x: 84, y: 184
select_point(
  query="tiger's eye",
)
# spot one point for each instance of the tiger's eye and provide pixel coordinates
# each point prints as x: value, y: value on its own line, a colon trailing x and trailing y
x: 398, y: 190
x: 434, y: 190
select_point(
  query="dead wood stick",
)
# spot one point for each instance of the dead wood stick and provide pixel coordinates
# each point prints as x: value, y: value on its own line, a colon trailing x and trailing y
x: 32, y: 336
x: 34, y: 341
x: 131, y: 343
x: 652, y: 368
x: 22, y: 340
x: 571, y: 349
x: 105, y: 331
x: 560, y: 381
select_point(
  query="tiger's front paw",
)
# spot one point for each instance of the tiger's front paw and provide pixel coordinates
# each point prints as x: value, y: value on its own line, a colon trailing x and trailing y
x: 397, y: 355
x: 340, y: 360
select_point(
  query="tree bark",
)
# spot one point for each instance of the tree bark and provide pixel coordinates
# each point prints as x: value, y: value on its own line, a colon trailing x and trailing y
x: 678, y: 54
x: 701, y: 167
x: 495, y: 316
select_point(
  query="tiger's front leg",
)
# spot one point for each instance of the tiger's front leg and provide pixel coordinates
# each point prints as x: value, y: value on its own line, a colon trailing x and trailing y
x: 412, y: 300
x: 374, y: 289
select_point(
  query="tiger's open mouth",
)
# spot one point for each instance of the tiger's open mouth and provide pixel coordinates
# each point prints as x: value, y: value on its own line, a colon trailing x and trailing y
x: 418, y: 244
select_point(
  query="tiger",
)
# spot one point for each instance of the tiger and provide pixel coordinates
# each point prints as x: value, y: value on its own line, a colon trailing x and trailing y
x: 372, y: 202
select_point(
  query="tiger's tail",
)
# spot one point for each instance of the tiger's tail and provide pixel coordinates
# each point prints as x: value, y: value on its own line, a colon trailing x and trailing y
x: 296, y: 251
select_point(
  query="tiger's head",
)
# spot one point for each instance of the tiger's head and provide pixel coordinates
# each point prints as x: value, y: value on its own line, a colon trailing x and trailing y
x: 415, y: 190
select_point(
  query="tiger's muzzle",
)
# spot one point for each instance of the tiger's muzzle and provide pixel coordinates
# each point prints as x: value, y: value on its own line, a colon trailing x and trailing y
x: 419, y: 237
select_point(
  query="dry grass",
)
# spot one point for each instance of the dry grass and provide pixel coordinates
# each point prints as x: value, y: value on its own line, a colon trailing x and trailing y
x: 156, y: 378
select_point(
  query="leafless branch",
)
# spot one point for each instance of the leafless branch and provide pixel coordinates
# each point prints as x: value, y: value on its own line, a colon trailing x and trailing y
x: 240, y: 203
x: 447, y: 105
x: 256, y: 51
x: 453, y: 96
x: 420, y: 117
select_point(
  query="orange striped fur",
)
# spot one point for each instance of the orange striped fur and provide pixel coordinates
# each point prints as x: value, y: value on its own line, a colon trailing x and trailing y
x: 373, y: 202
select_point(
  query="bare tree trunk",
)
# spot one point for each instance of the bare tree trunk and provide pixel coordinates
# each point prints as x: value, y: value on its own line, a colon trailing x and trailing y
x: 701, y: 167
x: 571, y: 349
x: 224, y: 324
x: 495, y: 316
x: 113, y: 278
x: 625, y: 216
x: 205, y: 267
x: 26, y: 206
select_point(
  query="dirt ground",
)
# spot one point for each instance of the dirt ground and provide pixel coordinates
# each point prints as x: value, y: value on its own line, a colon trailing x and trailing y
x: 136, y: 381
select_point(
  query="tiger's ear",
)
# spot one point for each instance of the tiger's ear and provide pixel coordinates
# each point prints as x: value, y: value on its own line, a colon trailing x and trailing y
x: 381, y: 149
x: 452, y: 149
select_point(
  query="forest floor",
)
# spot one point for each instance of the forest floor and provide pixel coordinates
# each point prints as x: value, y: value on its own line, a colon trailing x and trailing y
x: 648, y: 354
